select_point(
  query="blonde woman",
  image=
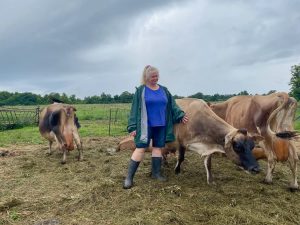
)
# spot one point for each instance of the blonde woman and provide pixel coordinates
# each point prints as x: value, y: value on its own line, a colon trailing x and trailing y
x: 153, y: 113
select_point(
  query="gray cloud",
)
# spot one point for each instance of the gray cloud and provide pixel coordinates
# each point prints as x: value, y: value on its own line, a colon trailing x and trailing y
x: 89, y: 47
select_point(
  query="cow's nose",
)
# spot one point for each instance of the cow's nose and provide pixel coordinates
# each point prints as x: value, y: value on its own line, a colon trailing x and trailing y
x: 254, y: 169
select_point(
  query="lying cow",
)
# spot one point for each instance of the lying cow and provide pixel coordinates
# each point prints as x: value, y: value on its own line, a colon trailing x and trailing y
x: 59, y: 123
x: 271, y: 116
x: 206, y: 133
x: 128, y: 144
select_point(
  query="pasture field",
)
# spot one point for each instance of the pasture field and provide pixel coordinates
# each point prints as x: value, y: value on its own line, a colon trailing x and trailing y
x: 36, y: 189
x: 94, y: 120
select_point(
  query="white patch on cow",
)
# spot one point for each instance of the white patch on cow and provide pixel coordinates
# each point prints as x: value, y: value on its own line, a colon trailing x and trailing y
x: 205, y: 149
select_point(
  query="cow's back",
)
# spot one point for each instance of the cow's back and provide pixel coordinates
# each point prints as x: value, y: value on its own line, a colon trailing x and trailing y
x: 238, y: 112
x: 203, y: 122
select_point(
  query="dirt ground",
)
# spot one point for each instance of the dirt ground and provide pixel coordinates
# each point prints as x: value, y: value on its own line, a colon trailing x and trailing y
x: 36, y: 189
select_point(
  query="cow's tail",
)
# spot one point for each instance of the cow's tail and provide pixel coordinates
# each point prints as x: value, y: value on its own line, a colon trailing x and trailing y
x: 282, y: 134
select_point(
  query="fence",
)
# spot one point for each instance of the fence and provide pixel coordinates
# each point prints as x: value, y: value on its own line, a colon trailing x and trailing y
x: 108, y: 121
x: 16, y: 117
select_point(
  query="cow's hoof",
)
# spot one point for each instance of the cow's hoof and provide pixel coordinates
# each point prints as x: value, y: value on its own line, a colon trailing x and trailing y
x: 266, y: 181
x: 177, y: 170
x: 48, y: 153
x: 63, y: 162
x: 293, y: 188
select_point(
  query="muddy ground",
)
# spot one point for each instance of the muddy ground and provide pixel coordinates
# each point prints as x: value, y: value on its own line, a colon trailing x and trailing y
x: 36, y: 189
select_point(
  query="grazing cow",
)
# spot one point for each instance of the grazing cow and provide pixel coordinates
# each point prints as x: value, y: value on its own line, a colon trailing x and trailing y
x: 272, y: 117
x: 58, y: 122
x: 206, y: 133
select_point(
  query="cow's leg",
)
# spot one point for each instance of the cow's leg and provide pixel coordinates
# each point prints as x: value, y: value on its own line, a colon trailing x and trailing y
x: 207, y: 164
x: 270, y: 168
x: 78, y: 145
x: 293, y: 159
x: 180, y: 159
x: 64, y: 156
x: 50, y: 148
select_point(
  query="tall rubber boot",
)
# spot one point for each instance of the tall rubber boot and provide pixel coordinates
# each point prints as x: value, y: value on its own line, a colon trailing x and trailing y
x: 156, y: 166
x: 128, y: 182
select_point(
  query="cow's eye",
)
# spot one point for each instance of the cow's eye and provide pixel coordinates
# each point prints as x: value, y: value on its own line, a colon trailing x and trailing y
x: 238, y: 147
x: 251, y: 144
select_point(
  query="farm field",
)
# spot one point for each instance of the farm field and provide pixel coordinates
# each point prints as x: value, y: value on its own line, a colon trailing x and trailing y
x: 36, y: 189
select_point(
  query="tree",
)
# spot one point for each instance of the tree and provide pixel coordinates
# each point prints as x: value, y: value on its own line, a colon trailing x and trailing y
x: 126, y: 97
x: 243, y: 93
x: 197, y: 95
x: 295, y: 82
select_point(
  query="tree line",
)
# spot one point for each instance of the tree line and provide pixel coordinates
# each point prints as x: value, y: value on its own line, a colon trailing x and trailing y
x: 28, y: 98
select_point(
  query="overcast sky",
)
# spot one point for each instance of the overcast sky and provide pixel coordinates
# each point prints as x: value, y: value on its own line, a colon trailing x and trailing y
x: 89, y: 47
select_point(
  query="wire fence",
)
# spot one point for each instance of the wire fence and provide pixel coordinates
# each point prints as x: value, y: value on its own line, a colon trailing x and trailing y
x: 112, y: 121
x: 17, y: 117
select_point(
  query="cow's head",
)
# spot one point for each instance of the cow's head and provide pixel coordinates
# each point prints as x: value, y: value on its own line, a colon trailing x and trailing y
x: 63, y: 124
x: 239, y: 146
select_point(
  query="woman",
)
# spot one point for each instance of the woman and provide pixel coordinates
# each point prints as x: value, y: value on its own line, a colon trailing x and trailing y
x: 153, y: 113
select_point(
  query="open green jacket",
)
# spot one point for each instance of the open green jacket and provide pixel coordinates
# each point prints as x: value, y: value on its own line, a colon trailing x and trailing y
x: 138, y: 119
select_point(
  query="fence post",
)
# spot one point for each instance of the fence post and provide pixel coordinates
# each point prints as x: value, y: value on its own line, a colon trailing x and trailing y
x: 37, y: 114
x: 109, y: 122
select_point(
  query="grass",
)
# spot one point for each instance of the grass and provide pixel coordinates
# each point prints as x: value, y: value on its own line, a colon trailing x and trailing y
x: 37, y: 188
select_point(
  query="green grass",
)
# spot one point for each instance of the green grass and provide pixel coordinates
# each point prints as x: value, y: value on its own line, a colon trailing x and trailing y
x: 26, y: 135
x: 30, y: 135
x: 297, y: 122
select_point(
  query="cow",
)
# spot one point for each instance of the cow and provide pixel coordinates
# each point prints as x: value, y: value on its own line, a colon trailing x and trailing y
x: 128, y: 144
x: 206, y: 133
x: 272, y: 117
x: 58, y: 122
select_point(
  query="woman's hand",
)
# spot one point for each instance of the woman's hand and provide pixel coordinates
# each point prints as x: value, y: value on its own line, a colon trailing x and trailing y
x: 133, y: 133
x: 184, y: 119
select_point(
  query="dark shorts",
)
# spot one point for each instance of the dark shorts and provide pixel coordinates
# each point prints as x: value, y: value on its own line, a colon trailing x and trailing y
x: 158, y: 136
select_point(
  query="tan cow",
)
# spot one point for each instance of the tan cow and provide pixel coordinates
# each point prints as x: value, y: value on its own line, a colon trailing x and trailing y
x: 206, y: 133
x: 128, y: 144
x: 59, y: 123
x: 271, y: 116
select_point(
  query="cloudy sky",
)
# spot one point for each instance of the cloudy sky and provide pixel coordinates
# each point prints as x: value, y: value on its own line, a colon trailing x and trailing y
x: 89, y: 47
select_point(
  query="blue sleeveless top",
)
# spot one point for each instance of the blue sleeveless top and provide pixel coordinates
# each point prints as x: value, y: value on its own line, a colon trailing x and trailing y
x: 156, y: 104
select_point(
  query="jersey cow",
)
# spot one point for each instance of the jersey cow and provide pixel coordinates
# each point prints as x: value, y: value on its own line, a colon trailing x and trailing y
x: 270, y: 116
x: 59, y: 123
x: 206, y: 133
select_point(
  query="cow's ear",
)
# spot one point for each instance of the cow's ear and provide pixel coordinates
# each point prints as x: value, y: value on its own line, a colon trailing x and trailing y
x: 243, y: 131
x: 74, y: 109
x: 257, y: 138
x: 228, y: 139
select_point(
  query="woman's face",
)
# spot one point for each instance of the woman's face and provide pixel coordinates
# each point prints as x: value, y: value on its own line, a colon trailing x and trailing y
x: 153, y: 79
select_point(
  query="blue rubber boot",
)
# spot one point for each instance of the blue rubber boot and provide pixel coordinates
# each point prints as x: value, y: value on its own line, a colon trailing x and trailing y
x: 128, y: 182
x: 156, y: 166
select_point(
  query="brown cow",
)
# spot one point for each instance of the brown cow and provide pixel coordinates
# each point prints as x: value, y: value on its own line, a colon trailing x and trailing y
x: 128, y: 144
x: 206, y: 133
x: 59, y: 123
x: 271, y: 116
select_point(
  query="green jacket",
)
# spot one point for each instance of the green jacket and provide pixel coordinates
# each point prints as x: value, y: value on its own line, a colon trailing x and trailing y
x: 138, y: 119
